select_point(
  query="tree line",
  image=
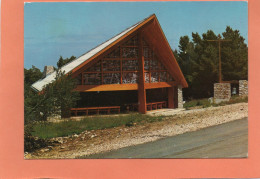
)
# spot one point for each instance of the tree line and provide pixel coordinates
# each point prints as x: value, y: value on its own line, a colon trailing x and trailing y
x: 199, y: 61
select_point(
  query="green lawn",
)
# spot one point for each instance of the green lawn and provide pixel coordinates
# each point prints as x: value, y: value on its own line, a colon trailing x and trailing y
x: 45, y: 130
x: 48, y: 130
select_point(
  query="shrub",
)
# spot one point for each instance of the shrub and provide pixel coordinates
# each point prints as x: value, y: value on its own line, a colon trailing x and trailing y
x: 198, y: 102
x: 32, y: 143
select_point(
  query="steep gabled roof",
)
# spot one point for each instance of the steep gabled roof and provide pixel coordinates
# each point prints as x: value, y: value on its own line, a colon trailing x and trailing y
x: 93, y: 53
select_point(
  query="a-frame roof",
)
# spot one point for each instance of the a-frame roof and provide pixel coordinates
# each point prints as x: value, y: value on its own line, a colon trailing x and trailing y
x: 149, y: 26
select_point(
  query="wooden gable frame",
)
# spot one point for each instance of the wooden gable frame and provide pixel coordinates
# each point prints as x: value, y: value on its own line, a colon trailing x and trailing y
x: 153, y: 34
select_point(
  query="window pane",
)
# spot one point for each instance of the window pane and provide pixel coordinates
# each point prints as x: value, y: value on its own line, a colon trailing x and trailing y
x: 163, y: 76
x: 111, y: 65
x: 154, y: 77
x: 114, y: 54
x: 146, y: 74
x: 154, y: 64
x: 147, y: 53
x: 130, y: 65
x: 132, y: 42
x: 146, y: 64
x: 130, y: 52
x: 111, y: 78
x: 91, y: 78
x: 131, y: 77
x: 161, y: 66
x: 95, y: 67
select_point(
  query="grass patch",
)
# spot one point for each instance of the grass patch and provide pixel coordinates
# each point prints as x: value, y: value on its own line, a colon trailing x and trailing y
x: 49, y: 130
x: 204, y: 103
x: 197, y: 102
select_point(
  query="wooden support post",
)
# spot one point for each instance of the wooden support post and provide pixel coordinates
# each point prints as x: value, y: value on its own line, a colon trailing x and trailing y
x: 82, y: 82
x: 171, y: 97
x: 121, y: 66
x: 150, y: 69
x: 141, y: 86
x: 102, y: 71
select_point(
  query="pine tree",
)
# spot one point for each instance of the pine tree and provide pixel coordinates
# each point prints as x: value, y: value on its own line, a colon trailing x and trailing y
x: 198, y: 60
x: 56, y: 98
x: 63, y: 62
x: 234, y: 56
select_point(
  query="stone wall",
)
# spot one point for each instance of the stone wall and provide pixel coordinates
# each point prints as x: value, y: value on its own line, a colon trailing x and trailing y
x: 243, y: 89
x: 180, y: 98
x: 222, y: 92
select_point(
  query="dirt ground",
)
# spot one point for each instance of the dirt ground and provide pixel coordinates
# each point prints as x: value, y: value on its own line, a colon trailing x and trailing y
x: 176, y: 122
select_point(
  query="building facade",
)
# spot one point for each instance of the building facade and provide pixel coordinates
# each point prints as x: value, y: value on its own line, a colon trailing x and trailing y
x: 135, y: 70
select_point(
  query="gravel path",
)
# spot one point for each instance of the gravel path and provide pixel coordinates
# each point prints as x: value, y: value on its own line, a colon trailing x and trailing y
x: 178, y: 122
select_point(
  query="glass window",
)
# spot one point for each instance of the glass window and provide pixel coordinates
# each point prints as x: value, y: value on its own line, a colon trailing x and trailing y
x: 95, y: 67
x: 130, y: 65
x: 161, y: 66
x: 146, y: 64
x: 111, y: 65
x: 132, y: 42
x: 163, y: 76
x: 146, y: 75
x: 154, y: 77
x: 111, y: 78
x: 130, y: 77
x: 146, y: 52
x: 154, y: 64
x: 91, y: 78
x: 114, y: 54
x: 130, y: 52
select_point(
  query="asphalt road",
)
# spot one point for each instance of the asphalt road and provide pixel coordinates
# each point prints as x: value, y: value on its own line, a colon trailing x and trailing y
x: 227, y: 140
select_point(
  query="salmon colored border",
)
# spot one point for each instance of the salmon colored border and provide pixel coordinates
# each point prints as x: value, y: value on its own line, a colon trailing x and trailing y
x: 12, y: 164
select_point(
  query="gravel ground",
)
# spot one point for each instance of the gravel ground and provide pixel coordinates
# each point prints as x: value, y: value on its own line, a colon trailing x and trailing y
x: 176, y: 122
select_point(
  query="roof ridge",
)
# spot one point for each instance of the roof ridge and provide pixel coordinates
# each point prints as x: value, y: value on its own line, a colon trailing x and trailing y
x: 81, y: 61
x: 108, y: 40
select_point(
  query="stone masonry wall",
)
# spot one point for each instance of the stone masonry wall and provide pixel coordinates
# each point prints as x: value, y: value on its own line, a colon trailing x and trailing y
x: 222, y: 92
x: 180, y: 98
x: 243, y: 89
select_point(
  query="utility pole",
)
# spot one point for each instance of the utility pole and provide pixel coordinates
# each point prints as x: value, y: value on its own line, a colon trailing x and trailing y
x: 219, y: 51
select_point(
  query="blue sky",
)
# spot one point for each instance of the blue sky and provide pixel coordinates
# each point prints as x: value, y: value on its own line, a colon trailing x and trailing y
x: 64, y: 29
